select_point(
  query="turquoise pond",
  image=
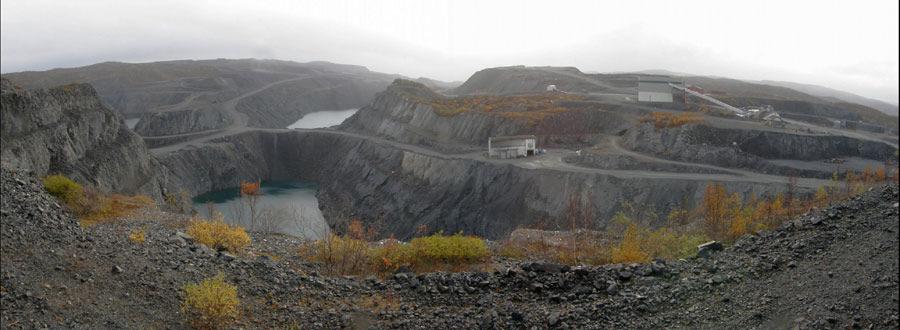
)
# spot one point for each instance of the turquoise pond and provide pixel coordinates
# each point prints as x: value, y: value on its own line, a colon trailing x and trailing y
x: 286, y: 207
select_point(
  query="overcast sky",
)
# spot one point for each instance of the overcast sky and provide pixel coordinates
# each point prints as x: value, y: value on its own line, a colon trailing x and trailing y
x: 848, y: 45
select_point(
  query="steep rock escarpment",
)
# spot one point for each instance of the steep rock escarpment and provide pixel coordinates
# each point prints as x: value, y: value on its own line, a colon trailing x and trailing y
x: 402, y: 189
x: 748, y: 148
x: 283, y: 104
x: 404, y: 112
x: 181, y: 121
x: 68, y: 130
x: 411, y: 113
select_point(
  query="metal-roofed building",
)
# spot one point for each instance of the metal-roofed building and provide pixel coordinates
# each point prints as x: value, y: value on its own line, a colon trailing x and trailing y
x: 656, y: 89
x: 511, y: 146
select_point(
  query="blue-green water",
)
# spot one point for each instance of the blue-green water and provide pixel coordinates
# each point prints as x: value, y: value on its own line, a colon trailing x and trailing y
x: 286, y: 207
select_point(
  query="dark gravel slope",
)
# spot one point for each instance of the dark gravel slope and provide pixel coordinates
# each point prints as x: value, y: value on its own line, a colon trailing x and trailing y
x: 833, y: 269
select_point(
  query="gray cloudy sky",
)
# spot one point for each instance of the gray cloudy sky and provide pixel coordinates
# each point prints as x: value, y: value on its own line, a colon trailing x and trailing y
x: 848, y: 45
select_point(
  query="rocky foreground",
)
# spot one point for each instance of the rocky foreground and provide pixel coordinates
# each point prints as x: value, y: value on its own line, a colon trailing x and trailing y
x: 836, y: 268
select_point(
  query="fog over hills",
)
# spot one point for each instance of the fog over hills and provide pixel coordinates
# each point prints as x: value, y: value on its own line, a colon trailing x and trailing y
x: 450, y: 40
x: 402, y: 164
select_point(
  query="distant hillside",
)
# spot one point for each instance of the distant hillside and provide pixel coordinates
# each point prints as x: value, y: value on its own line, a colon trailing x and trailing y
x: 522, y: 79
x: 789, y: 100
x: 175, y: 97
x: 437, y: 84
x: 805, y: 106
x: 826, y: 92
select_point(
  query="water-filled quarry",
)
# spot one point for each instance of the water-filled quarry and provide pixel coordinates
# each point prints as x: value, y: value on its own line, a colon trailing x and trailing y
x: 320, y: 119
x: 285, y: 207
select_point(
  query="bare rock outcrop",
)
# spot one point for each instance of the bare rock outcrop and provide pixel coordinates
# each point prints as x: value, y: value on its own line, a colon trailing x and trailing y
x: 68, y: 130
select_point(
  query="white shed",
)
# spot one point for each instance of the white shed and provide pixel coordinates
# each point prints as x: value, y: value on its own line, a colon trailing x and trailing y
x: 511, y: 146
x: 652, y: 91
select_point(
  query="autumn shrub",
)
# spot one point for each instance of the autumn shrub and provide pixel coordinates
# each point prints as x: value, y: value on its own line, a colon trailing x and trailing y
x: 821, y: 197
x: 340, y: 255
x: 666, y: 243
x: 219, y: 235
x: 137, y: 236
x: 438, y: 250
x: 347, y: 255
x: 630, y: 250
x: 390, y: 256
x: 60, y: 186
x: 211, y: 304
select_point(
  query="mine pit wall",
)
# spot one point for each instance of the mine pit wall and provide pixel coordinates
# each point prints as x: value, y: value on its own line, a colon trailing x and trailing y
x: 67, y: 130
x: 407, y: 120
x: 181, y: 121
x: 401, y: 190
x: 740, y: 148
x: 403, y: 119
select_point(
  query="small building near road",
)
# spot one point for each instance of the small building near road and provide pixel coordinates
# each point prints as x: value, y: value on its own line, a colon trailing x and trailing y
x: 656, y: 89
x: 505, y: 147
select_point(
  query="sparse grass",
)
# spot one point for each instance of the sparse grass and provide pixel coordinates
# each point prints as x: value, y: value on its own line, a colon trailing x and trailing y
x: 211, y: 304
x: 111, y: 207
x: 219, y: 235
x: 668, y: 119
x: 60, y: 186
x: 590, y: 247
x: 91, y: 206
x: 137, y: 236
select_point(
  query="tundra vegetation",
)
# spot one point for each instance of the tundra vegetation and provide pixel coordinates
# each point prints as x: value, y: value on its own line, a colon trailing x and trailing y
x: 530, y: 107
x: 631, y: 236
x: 355, y: 254
x: 668, y: 119
x: 90, y: 205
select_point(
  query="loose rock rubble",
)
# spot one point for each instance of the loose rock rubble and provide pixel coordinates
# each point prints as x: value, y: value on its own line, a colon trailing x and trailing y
x: 835, y: 268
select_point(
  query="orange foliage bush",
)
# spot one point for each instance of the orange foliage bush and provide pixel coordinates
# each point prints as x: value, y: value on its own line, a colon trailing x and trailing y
x: 249, y: 188
x: 629, y: 250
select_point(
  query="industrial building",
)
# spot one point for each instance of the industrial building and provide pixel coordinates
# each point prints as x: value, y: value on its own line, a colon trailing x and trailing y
x: 656, y: 89
x: 511, y: 146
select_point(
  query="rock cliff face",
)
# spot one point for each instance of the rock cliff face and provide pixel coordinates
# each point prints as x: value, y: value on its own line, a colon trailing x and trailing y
x: 282, y: 105
x: 402, y: 189
x: 406, y: 112
x: 68, y: 130
x: 181, y: 122
x: 747, y: 148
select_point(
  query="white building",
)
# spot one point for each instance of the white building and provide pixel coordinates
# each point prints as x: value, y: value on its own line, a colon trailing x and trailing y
x: 656, y: 89
x: 511, y: 146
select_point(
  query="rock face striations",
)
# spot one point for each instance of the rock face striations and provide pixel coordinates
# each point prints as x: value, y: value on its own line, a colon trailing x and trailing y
x: 68, y: 130
x: 410, y: 112
x: 405, y: 186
